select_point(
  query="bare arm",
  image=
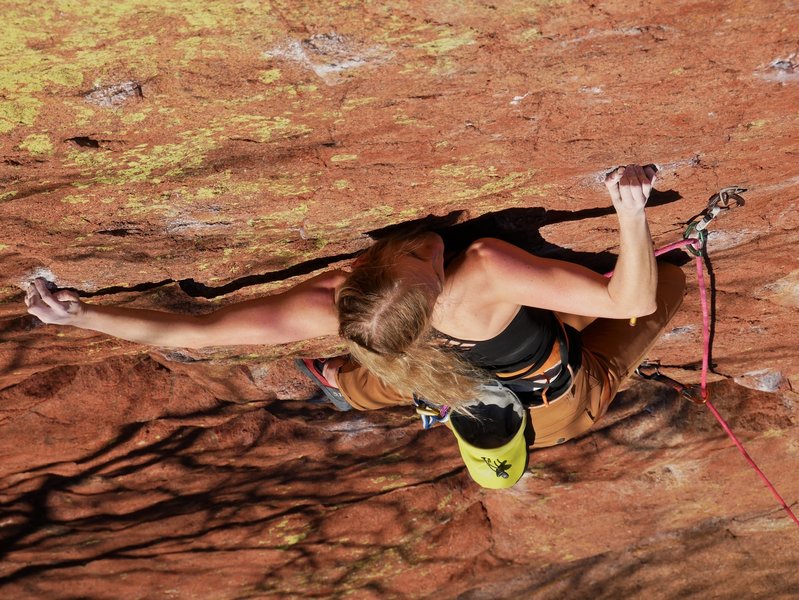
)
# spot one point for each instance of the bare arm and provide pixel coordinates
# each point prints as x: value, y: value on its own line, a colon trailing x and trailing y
x: 302, y: 312
x: 518, y: 277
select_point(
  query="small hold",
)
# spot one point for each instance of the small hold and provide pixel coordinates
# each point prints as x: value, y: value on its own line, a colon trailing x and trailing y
x: 121, y: 232
x: 84, y: 142
x: 784, y: 65
x: 113, y: 95
x: 518, y: 99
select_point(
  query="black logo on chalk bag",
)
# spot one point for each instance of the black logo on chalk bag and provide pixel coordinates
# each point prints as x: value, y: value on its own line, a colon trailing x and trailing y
x: 499, y: 468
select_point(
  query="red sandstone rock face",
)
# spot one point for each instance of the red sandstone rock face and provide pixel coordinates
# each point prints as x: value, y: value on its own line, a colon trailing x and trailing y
x: 183, y: 157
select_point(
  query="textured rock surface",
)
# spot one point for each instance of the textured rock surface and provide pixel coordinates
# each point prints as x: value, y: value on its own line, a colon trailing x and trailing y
x: 189, y: 155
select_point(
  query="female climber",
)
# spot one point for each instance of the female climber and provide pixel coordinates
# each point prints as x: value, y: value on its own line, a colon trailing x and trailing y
x: 556, y: 333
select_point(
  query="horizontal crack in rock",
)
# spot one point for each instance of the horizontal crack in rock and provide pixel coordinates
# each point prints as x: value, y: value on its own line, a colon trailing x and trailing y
x: 197, y: 289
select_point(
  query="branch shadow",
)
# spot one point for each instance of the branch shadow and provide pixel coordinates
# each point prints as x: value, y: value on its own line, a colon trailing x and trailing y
x: 249, y: 487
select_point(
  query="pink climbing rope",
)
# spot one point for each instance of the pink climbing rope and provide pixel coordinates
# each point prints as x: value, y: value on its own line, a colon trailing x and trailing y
x: 700, y: 282
x: 700, y: 278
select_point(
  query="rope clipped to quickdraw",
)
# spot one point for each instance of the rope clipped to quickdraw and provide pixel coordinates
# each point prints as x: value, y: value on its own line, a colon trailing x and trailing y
x: 695, y: 240
x: 723, y: 200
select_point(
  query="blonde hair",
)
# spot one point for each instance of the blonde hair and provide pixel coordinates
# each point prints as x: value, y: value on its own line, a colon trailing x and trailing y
x: 386, y: 323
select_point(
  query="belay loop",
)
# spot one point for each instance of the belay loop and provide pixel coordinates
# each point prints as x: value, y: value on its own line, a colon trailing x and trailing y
x: 723, y: 200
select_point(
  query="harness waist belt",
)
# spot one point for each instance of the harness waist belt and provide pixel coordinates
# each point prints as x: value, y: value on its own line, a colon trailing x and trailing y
x: 546, y: 370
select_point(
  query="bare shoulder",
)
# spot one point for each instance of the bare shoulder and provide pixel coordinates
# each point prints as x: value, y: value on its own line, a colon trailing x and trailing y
x: 472, y: 305
x: 488, y: 248
x: 480, y: 275
x: 327, y: 281
x: 319, y: 292
x: 474, y: 266
x: 470, y: 275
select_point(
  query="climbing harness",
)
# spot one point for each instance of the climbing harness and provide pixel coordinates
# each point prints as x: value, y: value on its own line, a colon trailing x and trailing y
x: 695, y: 240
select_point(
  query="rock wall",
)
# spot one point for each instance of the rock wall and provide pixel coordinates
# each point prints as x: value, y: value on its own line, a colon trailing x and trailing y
x: 185, y: 155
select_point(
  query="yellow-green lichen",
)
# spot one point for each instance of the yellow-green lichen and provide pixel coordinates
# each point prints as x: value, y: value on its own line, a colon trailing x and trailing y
x: 67, y: 75
x: 205, y: 193
x: 295, y: 214
x: 447, y: 43
x: 291, y: 540
x: 402, y: 119
x: 137, y: 205
x: 270, y: 76
x: 343, y: 157
x: 341, y: 184
x: 189, y: 48
x: 144, y: 163
x: 84, y: 113
x: 465, y: 171
x: 38, y: 144
x: 137, y: 117
x: 21, y: 111
x: 264, y: 129
x: 444, y: 502
x: 773, y: 433
x: 221, y: 15
x: 288, y: 185
x: 353, y: 103
x: 37, y: 65
x: 530, y: 190
x: 376, y: 216
x: 528, y: 35
x: 73, y: 199
x: 756, y: 124
x: 468, y: 182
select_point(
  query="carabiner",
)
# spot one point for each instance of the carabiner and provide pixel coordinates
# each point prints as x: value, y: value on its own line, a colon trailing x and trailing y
x: 726, y: 196
x: 692, y: 232
x: 721, y: 200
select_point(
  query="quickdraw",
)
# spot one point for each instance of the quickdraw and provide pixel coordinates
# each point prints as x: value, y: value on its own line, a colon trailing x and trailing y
x: 725, y: 199
x: 651, y: 370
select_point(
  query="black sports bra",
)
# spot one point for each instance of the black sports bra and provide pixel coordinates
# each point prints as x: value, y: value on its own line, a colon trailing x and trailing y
x: 521, y: 349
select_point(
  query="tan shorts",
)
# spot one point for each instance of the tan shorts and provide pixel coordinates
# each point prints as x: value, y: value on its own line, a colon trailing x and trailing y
x: 612, y: 349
